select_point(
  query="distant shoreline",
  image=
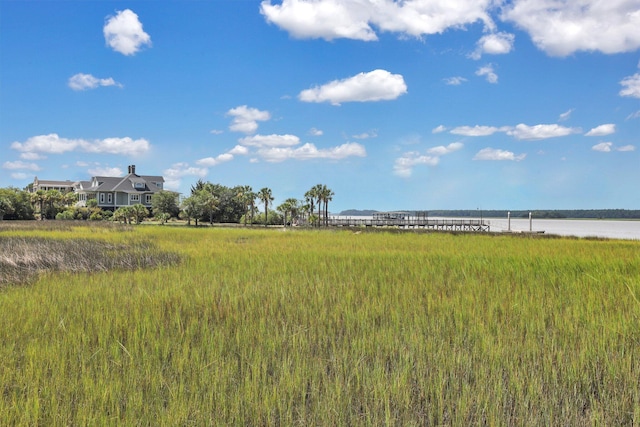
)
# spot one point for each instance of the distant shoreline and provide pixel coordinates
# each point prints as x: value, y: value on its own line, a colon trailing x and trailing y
x: 538, y: 214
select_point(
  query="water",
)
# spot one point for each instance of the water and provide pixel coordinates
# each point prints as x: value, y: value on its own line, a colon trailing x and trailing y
x: 612, y: 229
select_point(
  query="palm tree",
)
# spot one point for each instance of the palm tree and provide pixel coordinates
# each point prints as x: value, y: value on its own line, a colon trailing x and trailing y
x: 197, y: 187
x: 267, y: 197
x: 327, y: 196
x: 294, y: 207
x: 209, y: 202
x: 304, y: 211
x: 310, y: 197
x: 289, y: 206
x: 318, y: 193
x: 246, y: 196
x: 53, y: 198
x: 192, y: 208
x: 69, y: 198
x: 120, y: 215
x: 284, y: 208
x: 139, y: 212
x: 38, y: 198
x: 251, y: 197
x: 313, y: 196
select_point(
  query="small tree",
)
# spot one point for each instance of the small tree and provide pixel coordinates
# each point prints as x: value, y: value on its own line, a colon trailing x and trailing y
x: 289, y: 207
x: 19, y: 203
x: 164, y: 205
x: 208, y: 202
x: 121, y: 214
x: 139, y: 212
x: 6, y: 207
x: 283, y: 208
x: 191, y: 208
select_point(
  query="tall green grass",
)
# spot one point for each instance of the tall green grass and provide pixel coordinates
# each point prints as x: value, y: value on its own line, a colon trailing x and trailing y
x: 264, y: 327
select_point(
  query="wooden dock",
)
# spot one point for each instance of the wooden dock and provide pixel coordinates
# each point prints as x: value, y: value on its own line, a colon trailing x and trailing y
x: 470, y: 225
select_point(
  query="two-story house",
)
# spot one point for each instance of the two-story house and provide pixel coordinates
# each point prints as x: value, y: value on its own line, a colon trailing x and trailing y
x: 114, y: 192
x: 46, y: 185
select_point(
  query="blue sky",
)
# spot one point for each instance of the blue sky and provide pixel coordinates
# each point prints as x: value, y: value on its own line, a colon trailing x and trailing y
x: 421, y: 104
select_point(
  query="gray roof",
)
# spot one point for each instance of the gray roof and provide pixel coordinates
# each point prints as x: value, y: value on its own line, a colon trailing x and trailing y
x: 47, y: 182
x: 127, y: 184
x: 82, y: 184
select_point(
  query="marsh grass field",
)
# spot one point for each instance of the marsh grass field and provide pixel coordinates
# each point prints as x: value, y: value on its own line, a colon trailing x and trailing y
x: 243, y: 327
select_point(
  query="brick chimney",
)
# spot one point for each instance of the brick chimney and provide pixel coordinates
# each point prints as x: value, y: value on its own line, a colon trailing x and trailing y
x: 132, y: 169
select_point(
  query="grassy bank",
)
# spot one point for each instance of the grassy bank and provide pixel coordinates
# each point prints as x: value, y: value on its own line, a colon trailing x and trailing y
x: 264, y: 327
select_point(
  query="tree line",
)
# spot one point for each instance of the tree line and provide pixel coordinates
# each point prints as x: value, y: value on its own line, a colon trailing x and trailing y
x: 218, y: 203
x: 207, y: 202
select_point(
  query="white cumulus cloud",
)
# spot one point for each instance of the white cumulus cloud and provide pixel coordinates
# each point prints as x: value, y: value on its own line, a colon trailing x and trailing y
x: 441, y: 150
x: 602, y: 130
x: 488, y: 72
x: 538, y: 132
x: 631, y: 86
x: 124, y: 146
x: 245, y: 119
x: 173, y: 175
x: 454, y: 81
x: 273, y: 140
x: 366, y: 135
x: 494, y: 44
x: 359, y: 19
x: 561, y: 27
x: 310, y: 151
x: 497, y: 154
x: 565, y: 116
x: 82, y: 81
x: 377, y: 85
x: 32, y: 156
x: 20, y: 165
x: 404, y: 165
x: 475, y: 130
x: 214, y: 161
x: 239, y: 150
x: 124, y: 33
x: 54, y: 144
x: 105, y: 171
x: 604, y: 147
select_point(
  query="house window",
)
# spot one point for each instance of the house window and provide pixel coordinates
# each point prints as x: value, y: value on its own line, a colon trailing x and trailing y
x: 148, y: 199
x: 134, y: 198
x: 101, y: 198
x: 109, y: 198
